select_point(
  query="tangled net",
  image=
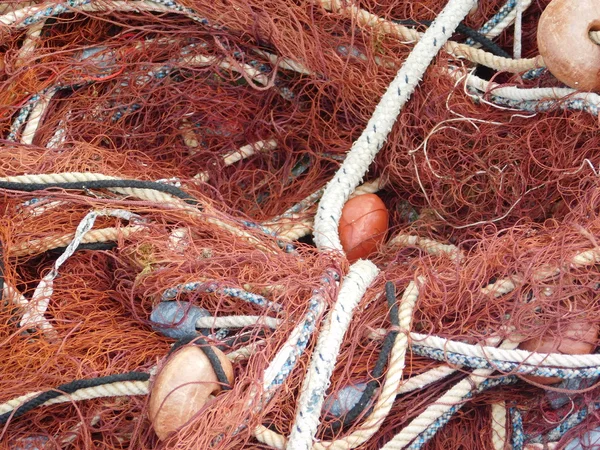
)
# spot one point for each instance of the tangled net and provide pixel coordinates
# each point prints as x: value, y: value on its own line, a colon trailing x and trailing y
x: 162, y: 150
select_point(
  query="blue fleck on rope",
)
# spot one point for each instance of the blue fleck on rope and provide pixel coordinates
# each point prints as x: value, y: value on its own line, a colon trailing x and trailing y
x: 476, y: 362
x: 534, y: 74
x: 426, y: 435
x: 535, y: 106
x: 572, y: 420
x: 285, y: 246
x: 495, y: 20
x: 23, y: 114
x: 518, y: 437
x: 51, y: 11
x: 210, y: 287
x: 307, y: 327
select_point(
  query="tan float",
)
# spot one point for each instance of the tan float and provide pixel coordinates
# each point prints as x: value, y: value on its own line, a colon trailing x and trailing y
x: 183, y: 387
x: 564, y: 42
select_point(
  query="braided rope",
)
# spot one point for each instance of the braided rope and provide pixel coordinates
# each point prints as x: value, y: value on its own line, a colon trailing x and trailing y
x: 426, y: 378
x: 297, y: 229
x: 384, y: 402
x: 453, y: 397
x: 520, y: 94
x: 506, y: 367
x: 579, y: 260
x: 475, y: 55
x: 431, y: 246
x: 365, y: 148
x: 317, y: 379
x: 237, y: 322
x: 499, y: 21
x: 208, y: 286
x: 51, y: 242
x: 488, y: 383
x: 505, y: 355
x: 32, y: 15
x: 518, y: 437
x: 499, y: 425
x: 71, y: 177
x: 569, y: 422
x: 287, y: 356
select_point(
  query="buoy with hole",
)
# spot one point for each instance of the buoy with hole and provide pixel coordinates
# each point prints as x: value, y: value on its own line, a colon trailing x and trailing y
x: 563, y: 38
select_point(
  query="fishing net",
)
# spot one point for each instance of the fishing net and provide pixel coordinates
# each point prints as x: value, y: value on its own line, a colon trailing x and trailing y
x: 194, y: 153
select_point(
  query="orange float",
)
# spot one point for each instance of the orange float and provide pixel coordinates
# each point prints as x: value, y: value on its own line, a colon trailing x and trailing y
x: 363, y: 226
x: 183, y: 387
x: 564, y: 42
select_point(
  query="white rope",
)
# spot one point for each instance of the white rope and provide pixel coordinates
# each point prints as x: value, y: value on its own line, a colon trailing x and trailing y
x: 424, y: 379
x: 499, y: 425
x: 458, y: 50
x: 506, y: 285
x: 233, y: 156
x: 521, y: 94
x: 288, y: 226
x: 317, y: 379
x: 36, y: 114
x: 514, y: 356
x: 519, y: 8
x: 391, y: 386
x: 34, y: 312
x: 429, y: 245
x: 237, y: 322
x: 380, y: 124
x: 118, y: 389
x: 452, y: 397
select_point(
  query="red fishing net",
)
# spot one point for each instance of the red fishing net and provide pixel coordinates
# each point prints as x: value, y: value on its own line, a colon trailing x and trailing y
x: 249, y: 107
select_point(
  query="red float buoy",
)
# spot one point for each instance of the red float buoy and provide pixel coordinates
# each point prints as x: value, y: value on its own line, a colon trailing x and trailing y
x: 363, y: 226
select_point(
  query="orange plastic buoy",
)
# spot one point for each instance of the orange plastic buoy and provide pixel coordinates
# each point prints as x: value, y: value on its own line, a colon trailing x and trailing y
x: 564, y: 42
x: 363, y: 226
x: 183, y: 387
x: 577, y: 339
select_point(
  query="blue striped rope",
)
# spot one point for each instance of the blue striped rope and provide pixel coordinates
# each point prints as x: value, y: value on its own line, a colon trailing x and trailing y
x: 426, y: 435
x: 476, y: 362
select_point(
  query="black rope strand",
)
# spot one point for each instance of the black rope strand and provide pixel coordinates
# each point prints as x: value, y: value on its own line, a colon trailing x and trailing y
x: 386, y: 348
x: 71, y: 388
x: 101, y: 184
x: 108, y: 245
x: 214, y: 360
x: 475, y: 35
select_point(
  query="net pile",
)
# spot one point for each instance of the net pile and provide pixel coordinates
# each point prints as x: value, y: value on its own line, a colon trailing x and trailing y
x: 190, y: 151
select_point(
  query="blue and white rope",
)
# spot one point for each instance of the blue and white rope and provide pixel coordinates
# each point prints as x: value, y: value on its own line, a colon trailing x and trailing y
x: 317, y: 379
x: 34, y: 313
x: 211, y: 287
x: 426, y: 435
x: 518, y: 436
x: 476, y: 362
x: 569, y: 422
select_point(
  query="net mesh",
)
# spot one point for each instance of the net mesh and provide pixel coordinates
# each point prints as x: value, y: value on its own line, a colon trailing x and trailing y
x: 150, y: 93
